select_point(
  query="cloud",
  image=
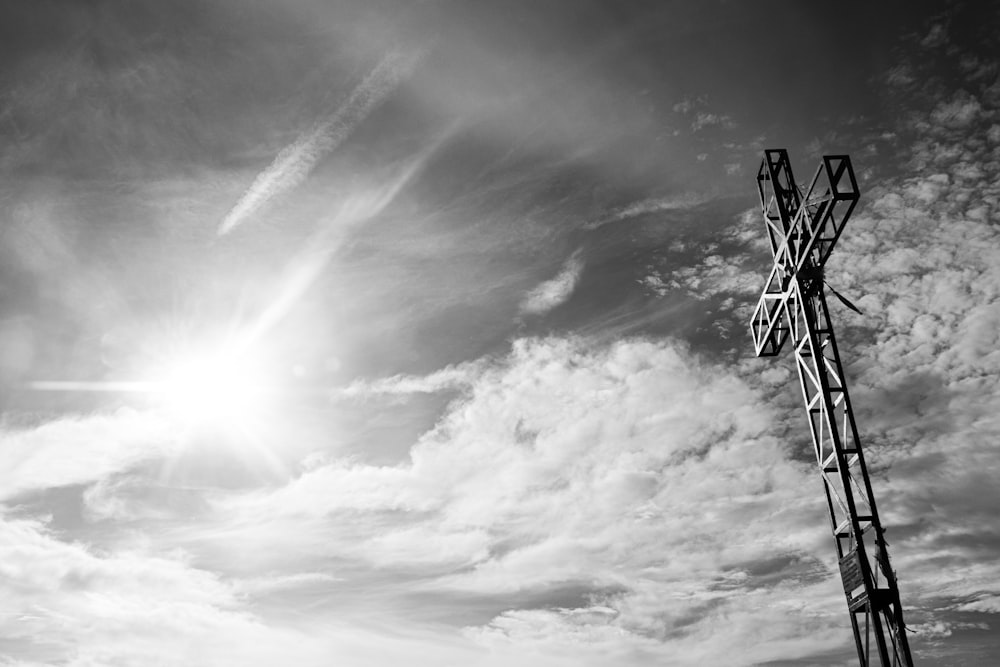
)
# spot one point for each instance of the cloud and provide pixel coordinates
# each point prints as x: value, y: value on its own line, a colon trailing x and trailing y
x: 715, y: 274
x: 79, y: 450
x: 570, y: 466
x: 959, y: 112
x: 921, y: 258
x: 555, y: 291
x: 924, y: 257
x: 281, y: 582
x: 730, y: 274
x: 684, y: 106
x: 63, y: 603
x: 680, y: 202
x: 704, y: 119
x: 293, y: 164
x: 577, y: 501
x: 937, y: 36
x: 72, y: 604
x: 595, y: 635
x: 458, y: 376
x: 900, y: 76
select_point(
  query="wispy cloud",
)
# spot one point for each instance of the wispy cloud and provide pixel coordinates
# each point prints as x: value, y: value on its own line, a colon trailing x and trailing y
x: 79, y: 451
x: 451, y: 377
x: 556, y: 291
x: 294, y: 162
x: 679, y: 202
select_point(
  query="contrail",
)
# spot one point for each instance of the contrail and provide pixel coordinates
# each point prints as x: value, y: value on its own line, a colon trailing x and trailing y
x: 295, y: 161
x: 308, y: 264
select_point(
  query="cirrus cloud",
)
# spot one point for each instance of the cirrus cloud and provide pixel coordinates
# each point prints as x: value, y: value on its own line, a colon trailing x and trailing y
x: 555, y: 291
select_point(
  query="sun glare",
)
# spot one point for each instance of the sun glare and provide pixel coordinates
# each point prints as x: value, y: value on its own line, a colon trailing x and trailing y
x: 219, y: 389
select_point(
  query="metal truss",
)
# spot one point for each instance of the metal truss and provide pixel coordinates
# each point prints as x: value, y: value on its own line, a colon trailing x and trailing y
x: 803, y: 228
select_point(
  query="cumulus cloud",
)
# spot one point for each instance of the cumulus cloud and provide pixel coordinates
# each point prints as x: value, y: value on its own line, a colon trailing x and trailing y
x: 72, y: 604
x: 730, y: 275
x: 67, y: 604
x: 922, y: 258
x: 925, y: 257
x: 594, y: 635
x: 715, y: 275
x: 959, y: 112
x: 293, y: 164
x: 567, y: 465
x: 555, y: 291
x: 81, y: 450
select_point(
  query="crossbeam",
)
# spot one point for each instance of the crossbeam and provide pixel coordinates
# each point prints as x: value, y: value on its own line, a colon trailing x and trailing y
x: 803, y: 226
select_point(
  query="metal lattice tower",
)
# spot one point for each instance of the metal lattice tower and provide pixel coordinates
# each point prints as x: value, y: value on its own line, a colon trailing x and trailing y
x: 802, y: 229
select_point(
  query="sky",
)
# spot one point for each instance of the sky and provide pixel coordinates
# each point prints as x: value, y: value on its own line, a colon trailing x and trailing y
x: 378, y: 332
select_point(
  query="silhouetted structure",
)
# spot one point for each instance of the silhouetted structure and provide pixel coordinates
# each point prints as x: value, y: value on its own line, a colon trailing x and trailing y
x: 802, y: 229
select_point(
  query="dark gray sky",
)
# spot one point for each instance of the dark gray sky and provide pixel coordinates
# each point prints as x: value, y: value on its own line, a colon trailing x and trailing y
x: 479, y: 274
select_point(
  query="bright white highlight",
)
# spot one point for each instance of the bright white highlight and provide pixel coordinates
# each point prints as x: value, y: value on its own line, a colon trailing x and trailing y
x: 211, y: 389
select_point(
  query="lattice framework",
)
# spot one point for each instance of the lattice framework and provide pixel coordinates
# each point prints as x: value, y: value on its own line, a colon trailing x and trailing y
x: 803, y: 227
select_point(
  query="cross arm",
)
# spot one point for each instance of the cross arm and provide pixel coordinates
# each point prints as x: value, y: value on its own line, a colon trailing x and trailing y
x: 802, y: 230
x: 769, y: 326
x: 825, y: 208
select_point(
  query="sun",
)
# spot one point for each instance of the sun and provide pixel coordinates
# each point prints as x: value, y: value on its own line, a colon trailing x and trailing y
x: 218, y: 388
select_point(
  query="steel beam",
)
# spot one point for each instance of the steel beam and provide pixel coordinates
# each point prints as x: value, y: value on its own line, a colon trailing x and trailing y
x: 803, y: 227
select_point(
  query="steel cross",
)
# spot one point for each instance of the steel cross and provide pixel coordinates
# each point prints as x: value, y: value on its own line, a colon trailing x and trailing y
x: 803, y: 228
